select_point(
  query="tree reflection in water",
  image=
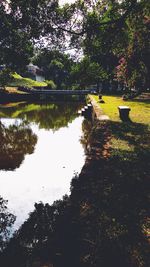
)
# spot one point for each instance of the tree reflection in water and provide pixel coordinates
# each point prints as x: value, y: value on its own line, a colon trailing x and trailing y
x: 46, y: 116
x: 16, y: 141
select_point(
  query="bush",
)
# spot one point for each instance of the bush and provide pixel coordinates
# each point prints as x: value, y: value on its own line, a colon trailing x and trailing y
x: 51, y: 84
x: 75, y: 87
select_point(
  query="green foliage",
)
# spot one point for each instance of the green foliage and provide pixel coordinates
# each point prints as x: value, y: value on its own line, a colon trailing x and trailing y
x: 48, y: 116
x: 139, y: 109
x: 117, y: 30
x: 22, y: 24
x: 15, y: 45
x: 18, y: 80
x: 50, y: 84
x: 136, y: 70
x: 87, y: 72
x: 56, y: 66
x: 106, y: 31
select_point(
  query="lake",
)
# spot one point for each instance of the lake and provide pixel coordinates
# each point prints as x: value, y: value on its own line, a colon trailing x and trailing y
x: 40, y: 152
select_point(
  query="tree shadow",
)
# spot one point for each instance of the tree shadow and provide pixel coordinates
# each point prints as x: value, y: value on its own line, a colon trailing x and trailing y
x: 136, y: 135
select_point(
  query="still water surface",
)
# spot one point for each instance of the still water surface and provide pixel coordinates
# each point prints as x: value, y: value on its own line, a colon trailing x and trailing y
x: 39, y: 154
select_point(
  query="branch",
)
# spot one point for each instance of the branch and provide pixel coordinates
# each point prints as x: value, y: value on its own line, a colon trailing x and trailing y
x: 115, y: 21
x: 70, y: 31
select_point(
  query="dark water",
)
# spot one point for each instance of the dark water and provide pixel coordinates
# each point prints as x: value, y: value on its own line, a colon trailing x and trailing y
x: 40, y: 151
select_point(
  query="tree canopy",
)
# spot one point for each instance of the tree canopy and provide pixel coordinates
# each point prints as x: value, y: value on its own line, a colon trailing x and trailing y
x: 108, y: 32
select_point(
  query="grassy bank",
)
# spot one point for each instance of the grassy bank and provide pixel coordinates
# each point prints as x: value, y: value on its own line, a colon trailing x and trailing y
x: 139, y: 109
x: 18, y: 80
x: 129, y: 139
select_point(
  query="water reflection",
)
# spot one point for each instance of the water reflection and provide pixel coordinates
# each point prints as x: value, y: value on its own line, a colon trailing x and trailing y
x: 47, y: 137
x: 46, y: 116
x: 16, y: 141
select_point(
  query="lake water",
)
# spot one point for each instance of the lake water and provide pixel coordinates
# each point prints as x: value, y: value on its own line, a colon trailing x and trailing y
x: 40, y: 152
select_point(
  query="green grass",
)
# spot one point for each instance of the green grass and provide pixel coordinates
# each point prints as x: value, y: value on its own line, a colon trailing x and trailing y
x: 27, y: 82
x: 139, y: 110
x: 129, y: 140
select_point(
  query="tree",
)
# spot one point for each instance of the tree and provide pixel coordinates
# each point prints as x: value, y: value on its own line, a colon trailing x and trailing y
x: 15, y: 46
x: 134, y: 67
x: 105, y: 30
x: 56, y: 66
x: 87, y: 72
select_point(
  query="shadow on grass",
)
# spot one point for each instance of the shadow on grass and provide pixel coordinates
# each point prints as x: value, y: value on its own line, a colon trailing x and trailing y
x: 103, y: 222
x: 135, y: 135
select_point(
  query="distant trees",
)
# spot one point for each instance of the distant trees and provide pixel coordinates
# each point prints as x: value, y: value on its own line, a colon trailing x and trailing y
x: 56, y: 66
x: 87, y: 72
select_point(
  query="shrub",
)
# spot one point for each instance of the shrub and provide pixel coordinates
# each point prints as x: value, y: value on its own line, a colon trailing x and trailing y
x: 51, y: 84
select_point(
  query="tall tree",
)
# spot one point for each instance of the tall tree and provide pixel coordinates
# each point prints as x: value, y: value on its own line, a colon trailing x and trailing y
x: 134, y: 66
x: 15, y: 46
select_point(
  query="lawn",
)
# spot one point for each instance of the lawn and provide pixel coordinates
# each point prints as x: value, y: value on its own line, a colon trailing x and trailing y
x: 139, y: 113
x: 26, y: 82
x: 129, y: 139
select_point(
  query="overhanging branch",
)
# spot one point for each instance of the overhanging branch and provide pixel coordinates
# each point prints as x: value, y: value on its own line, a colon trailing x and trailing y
x: 115, y: 21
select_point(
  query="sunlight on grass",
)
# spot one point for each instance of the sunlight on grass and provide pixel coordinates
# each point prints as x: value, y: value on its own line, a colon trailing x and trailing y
x: 129, y: 140
x: 18, y: 80
x: 139, y: 113
x: 122, y: 144
x: 29, y: 108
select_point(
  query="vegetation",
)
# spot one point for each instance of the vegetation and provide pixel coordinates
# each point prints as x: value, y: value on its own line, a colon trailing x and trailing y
x: 112, y: 35
x: 56, y: 66
x: 18, y: 80
x: 48, y: 116
x: 10, y: 80
x: 50, y: 84
x: 127, y: 135
x: 139, y: 109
